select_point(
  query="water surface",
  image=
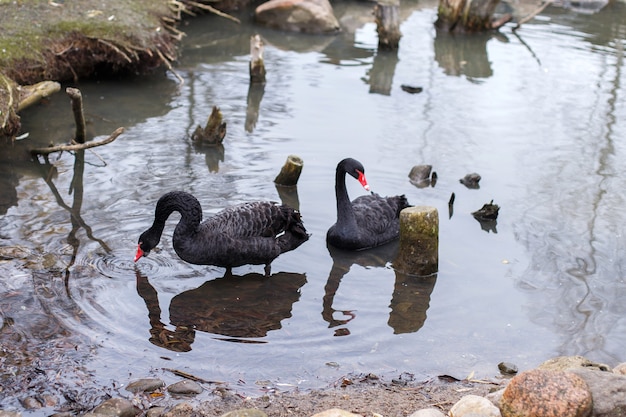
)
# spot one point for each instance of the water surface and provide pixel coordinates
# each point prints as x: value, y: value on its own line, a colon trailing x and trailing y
x: 539, y: 113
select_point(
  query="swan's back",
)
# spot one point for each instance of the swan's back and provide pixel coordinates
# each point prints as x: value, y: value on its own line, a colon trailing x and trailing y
x: 250, y: 233
x: 377, y: 222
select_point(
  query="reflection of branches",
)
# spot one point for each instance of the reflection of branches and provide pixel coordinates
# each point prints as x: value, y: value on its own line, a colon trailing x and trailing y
x: 76, y: 186
x: 532, y: 53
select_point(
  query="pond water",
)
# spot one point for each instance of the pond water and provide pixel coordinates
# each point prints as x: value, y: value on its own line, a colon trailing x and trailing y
x: 539, y: 113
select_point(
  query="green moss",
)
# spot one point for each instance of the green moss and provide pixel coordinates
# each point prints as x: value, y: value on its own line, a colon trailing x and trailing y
x: 29, y: 27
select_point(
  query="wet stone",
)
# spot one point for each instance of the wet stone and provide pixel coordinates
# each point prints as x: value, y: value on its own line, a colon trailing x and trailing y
x: 544, y: 393
x: 185, y: 388
x: 428, y: 412
x: 474, y: 404
x: 31, y: 403
x: 4, y: 413
x: 245, y: 412
x: 145, y: 385
x: 155, y: 412
x: 335, y: 412
x: 179, y: 410
x: 507, y: 368
x: 116, y: 407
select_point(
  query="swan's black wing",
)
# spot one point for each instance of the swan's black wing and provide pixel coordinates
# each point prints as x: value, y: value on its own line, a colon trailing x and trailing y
x: 379, y: 215
x: 254, y: 219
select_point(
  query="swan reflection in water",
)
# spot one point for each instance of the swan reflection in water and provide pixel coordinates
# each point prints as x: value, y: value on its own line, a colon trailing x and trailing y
x: 410, y: 299
x: 247, y: 306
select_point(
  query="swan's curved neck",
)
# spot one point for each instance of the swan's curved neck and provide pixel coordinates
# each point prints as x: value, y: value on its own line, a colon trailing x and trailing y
x: 345, y: 213
x: 186, y: 204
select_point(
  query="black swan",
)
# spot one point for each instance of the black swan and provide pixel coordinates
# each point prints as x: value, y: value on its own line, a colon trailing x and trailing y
x: 369, y: 220
x: 250, y: 233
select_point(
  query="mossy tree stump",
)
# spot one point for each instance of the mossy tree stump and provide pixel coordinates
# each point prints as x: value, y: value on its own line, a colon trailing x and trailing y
x: 213, y: 133
x: 290, y: 172
x: 418, y: 253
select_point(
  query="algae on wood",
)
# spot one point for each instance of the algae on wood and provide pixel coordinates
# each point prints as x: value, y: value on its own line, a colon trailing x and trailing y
x: 290, y: 172
x: 419, y: 241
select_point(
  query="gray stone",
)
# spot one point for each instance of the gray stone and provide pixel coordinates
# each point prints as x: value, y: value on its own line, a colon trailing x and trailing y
x: 608, y: 391
x: 307, y: 16
x: 428, y: 412
x: 116, y: 407
x: 5, y: 413
x: 185, y: 387
x: 180, y: 410
x: 507, y: 368
x: 145, y: 385
x: 565, y: 363
x: 474, y: 404
x: 245, y: 412
x: 335, y: 412
x: 155, y: 412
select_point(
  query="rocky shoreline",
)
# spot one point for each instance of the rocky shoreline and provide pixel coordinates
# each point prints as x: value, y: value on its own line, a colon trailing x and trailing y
x: 563, y: 386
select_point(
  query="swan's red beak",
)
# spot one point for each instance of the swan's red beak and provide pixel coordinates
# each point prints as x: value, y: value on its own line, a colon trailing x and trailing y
x: 139, y: 253
x: 363, y: 181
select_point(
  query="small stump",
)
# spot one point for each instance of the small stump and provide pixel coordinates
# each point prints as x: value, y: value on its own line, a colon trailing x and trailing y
x: 290, y: 172
x: 387, y: 15
x: 419, y: 241
x: 213, y: 133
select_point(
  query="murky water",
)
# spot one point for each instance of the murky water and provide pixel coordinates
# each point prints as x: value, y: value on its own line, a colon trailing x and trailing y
x: 539, y: 113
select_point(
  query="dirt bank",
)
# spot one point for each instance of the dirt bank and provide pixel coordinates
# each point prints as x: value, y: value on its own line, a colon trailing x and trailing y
x: 68, y: 41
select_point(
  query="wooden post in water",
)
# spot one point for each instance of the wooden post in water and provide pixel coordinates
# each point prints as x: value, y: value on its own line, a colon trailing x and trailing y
x: 77, y: 109
x: 467, y: 16
x: 290, y: 172
x: 387, y: 18
x: 257, y: 66
x: 418, y: 254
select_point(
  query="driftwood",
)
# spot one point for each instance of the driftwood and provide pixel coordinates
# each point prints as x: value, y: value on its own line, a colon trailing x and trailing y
x: 257, y: 66
x: 77, y: 146
x: 213, y: 133
x: 79, y: 116
x: 388, y: 24
x: 467, y: 16
x: 31, y: 94
x: 78, y: 143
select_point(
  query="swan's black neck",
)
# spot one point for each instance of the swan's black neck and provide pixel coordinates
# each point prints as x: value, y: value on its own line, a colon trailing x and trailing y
x: 345, y: 213
x: 182, y: 202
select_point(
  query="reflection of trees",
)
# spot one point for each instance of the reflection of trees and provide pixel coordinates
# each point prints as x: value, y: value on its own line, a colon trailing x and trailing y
x: 247, y: 306
x: 382, y: 72
x: 463, y: 54
x: 410, y: 299
x: 48, y: 171
x: 576, y: 241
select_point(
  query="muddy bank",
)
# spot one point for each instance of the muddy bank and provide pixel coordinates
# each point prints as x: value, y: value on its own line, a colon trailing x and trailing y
x: 70, y: 41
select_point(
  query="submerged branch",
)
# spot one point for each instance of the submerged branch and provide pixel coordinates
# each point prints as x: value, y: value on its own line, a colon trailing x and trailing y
x: 78, y: 146
x: 533, y: 14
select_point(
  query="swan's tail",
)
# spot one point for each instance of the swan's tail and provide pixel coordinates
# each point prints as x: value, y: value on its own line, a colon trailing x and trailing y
x: 295, y: 232
x: 402, y: 203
